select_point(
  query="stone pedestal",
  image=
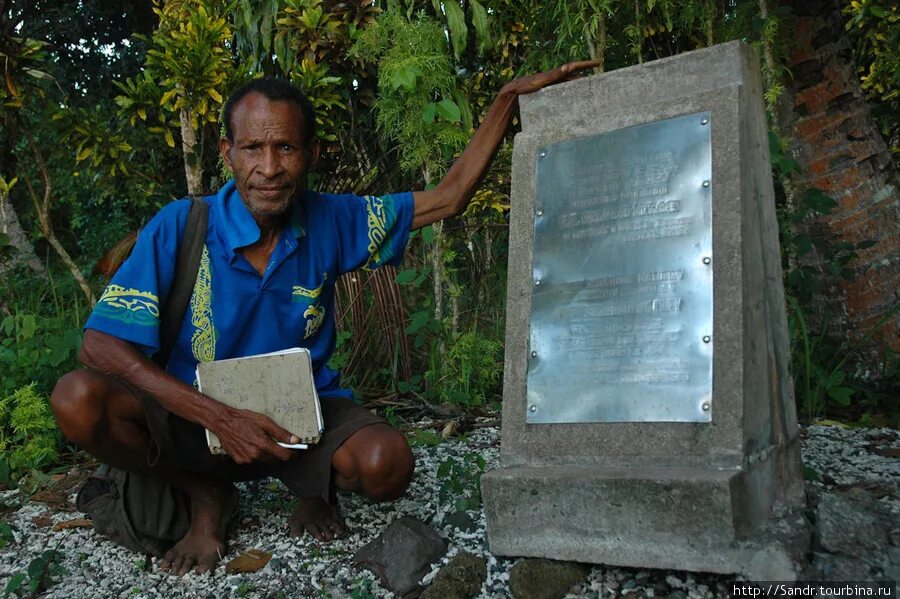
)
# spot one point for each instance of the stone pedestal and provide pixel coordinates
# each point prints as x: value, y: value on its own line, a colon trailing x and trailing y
x: 648, y: 491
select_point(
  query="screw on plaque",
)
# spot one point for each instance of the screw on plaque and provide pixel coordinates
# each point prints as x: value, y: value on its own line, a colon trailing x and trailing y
x: 533, y: 408
x: 537, y: 282
x: 704, y: 121
x: 542, y: 153
x: 534, y: 354
x: 707, y: 260
x: 540, y: 213
x: 706, y: 184
x: 705, y: 406
x: 706, y: 338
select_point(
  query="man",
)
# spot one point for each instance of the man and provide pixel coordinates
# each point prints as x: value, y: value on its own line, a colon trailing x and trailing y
x: 266, y: 282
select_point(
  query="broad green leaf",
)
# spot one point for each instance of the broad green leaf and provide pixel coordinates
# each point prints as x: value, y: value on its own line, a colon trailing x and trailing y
x: 406, y: 78
x: 83, y: 154
x: 456, y: 22
x: 36, y: 567
x: 841, y: 395
x: 167, y: 96
x: 418, y: 320
x: 29, y: 326
x: 428, y: 112
x: 480, y: 22
x: 405, y: 277
x: 215, y: 95
x: 170, y: 139
x: 428, y: 234
x: 14, y: 583
x: 448, y: 110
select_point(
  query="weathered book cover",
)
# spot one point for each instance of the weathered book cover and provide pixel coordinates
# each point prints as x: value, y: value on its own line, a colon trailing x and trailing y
x: 279, y: 385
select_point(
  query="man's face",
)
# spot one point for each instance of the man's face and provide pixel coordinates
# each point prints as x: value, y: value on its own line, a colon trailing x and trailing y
x: 268, y: 155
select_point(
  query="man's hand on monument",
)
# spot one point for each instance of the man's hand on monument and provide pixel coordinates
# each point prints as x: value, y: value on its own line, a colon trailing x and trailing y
x: 451, y: 196
x: 251, y: 437
x: 532, y: 83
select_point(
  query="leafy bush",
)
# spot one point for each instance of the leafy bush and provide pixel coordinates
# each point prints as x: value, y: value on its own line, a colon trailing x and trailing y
x: 472, y: 370
x: 29, y: 438
x: 37, y: 349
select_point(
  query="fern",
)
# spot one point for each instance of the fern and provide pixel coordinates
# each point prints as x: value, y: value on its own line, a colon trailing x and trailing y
x: 28, y: 433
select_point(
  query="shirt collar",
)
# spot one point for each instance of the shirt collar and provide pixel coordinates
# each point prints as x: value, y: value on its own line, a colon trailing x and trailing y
x: 240, y: 227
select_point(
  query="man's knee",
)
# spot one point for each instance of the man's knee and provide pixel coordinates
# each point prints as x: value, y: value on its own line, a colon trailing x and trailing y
x: 386, y: 467
x: 78, y: 402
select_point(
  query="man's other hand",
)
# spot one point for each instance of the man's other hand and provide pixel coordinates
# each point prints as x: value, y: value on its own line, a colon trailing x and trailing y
x: 532, y: 83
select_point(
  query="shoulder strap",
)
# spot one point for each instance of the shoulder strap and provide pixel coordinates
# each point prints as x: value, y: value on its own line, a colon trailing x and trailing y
x: 190, y: 248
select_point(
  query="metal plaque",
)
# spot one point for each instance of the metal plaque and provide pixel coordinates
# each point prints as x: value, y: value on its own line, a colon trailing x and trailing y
x: 622, y: 304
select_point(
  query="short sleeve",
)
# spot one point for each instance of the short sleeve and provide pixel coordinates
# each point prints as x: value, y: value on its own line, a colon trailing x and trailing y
x: 130, y: 305
x: 372, y: 231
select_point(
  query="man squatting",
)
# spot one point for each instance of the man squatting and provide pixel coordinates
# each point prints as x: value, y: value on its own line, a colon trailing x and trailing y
x: 266, y: 282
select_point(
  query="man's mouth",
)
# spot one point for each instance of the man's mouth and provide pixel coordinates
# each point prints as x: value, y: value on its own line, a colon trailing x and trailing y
x: 269, y: 189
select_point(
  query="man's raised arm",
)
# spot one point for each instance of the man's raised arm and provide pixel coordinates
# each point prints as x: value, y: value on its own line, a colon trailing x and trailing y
x: 453, y: 193
x: 246, y: 436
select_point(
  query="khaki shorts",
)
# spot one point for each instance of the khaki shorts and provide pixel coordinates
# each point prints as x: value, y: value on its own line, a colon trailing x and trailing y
x: 182, y: 444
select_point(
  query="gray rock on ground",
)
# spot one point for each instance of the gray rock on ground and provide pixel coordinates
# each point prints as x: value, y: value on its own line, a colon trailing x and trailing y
x: 401, y: 555
x: 461, y: 578
x: 852, y: 537
x: 544, y: 578
x: 852, y: 523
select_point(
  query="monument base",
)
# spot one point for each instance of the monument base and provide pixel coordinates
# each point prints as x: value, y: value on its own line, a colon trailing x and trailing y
x: 669, y: 518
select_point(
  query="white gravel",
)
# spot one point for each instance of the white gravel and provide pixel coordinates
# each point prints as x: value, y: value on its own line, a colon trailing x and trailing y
x: 95, y: 567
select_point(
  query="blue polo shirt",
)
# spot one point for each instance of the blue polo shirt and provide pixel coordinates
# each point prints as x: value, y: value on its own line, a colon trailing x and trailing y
x: 234, y: 311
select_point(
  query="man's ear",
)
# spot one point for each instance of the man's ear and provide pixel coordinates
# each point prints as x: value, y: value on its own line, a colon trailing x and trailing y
x: 225, y: 146
x: 314, y: 148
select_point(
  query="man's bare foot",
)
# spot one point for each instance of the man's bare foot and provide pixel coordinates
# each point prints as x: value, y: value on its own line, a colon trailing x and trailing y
x: 319, y: 518
x: 212, y: 505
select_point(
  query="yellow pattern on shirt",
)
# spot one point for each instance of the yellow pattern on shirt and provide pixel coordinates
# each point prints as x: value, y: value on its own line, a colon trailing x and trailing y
x: 203, y: 341
x: 134, y: 300
x: 376, y: 222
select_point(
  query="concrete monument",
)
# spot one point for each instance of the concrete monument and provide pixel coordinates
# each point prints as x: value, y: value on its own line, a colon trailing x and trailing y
x: 648, y: 414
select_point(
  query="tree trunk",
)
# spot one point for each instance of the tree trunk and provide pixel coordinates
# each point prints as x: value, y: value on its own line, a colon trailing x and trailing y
x: 24, y: 251
x: 192, y: 169
x: 832, y: 135
x: 42, y: 207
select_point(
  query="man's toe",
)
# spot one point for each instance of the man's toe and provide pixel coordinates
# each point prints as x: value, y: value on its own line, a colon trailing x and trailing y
x: 186, y: 564
x: 340, y: 529
x: 204, y: 566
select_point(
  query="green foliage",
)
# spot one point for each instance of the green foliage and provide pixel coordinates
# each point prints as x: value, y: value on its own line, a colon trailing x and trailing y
x: 361, y: 588
x: 461, y: 481
x: 189, y: 57
x: 425, y: 438
x: 35, y: 348
x: 7, y: 535
x: 472, y: 372
x: 416, y: 107
x: 23, y: 67
x: 41, y: 574
x: 875, y: 26
x: 826, y: 377
x: 29, y: 437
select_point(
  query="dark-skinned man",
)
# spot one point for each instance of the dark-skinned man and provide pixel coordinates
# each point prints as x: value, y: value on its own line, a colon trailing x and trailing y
x: 266, y: 282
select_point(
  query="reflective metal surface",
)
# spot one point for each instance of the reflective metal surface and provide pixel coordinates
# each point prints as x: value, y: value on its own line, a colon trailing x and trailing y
x: 622, y: 306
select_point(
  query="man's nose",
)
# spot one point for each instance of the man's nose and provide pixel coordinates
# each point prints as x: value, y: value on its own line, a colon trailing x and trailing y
x: 270, y: 164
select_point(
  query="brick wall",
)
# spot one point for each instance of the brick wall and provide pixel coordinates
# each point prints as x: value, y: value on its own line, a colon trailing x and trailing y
x: 825, y: 117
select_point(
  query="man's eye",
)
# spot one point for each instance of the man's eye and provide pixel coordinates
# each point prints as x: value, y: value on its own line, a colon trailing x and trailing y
x: 287, y: 148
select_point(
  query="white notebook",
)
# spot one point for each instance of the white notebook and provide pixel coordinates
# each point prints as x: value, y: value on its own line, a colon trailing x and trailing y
x: 279, y: 385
